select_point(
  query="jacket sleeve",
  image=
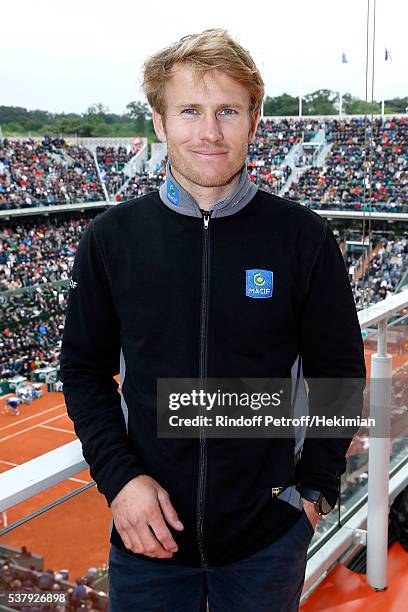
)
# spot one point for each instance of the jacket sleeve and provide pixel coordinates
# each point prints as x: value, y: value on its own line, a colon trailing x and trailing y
x: 90, y: 355
x: 332, y: 349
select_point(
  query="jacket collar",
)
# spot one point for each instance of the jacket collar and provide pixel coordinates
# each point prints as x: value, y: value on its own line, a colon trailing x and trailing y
x: 179, y: 200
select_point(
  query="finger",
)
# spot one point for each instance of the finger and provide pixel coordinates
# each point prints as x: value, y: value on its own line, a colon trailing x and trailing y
x: 130, y: 539
x: 168, y: 509
x: 162, y: 532
x: 150, y: 544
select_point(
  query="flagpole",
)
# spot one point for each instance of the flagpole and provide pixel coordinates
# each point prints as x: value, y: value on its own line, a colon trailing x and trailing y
x: 387, y: 57
x: 382, y: 88
x: 300, y: 82
x: 263, y: 76
x: 343, y: 61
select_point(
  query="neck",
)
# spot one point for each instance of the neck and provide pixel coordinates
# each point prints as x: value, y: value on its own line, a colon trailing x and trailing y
x: 206, y: 196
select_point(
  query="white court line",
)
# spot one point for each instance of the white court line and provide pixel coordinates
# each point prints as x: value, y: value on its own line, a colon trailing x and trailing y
x: 79, y: 480
x: 31, y: 417
x: 17, y: 433
x: 70, y: 478
x: 57, y: 429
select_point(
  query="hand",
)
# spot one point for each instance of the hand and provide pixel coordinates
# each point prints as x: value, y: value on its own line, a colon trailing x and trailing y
x: 311, y: 512
x: 137, y: 511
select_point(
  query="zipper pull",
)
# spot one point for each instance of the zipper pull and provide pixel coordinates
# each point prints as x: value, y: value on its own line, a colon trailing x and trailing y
x: 206, y: 217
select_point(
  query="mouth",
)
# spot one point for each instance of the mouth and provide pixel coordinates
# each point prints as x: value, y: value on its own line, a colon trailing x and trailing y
x: 208, y: 154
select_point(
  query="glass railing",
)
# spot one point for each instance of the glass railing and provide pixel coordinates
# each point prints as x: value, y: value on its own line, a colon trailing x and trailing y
x: 35, y: 203
x: 354, y: 482
x: 397, y: 344
x: 386, y: 207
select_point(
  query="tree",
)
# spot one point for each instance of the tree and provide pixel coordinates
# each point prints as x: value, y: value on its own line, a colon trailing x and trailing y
x: 71, y: 126
x: 396, y: 105
x: 284, y: 104
x: 320, y: 102
x: 97, y: 109
x: 355, y: 106
x: 140, y: 113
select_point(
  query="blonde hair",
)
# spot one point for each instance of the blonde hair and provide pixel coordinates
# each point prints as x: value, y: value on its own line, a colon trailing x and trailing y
x: 212, y: 49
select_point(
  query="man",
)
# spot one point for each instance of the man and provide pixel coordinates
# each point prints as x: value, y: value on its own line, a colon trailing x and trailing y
x: 164, y: 287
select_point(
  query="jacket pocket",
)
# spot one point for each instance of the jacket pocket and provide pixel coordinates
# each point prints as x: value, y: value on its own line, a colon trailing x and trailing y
x: 290, y: 495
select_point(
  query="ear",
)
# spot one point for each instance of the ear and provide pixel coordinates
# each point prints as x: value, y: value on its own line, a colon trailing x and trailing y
x: 158, y: 126
x: 254, y: 125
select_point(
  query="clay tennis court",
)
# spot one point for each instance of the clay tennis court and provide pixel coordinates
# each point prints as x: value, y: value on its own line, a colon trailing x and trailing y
x: 75, y: 534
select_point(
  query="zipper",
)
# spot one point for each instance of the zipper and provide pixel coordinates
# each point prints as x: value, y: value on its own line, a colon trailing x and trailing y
x: 202, y: 464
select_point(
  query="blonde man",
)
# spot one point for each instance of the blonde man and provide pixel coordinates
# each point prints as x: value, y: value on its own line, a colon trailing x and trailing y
x: 209, y: 278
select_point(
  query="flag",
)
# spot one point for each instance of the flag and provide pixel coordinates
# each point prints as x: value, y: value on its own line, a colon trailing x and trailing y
x: 344, y: 58
x: 387, y: 55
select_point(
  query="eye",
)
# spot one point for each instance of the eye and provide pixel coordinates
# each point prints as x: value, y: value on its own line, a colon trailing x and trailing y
x: 187, y: 111
x: 229, y: 111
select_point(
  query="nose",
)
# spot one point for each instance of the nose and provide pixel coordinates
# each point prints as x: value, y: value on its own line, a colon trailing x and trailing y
x: 210, y: 128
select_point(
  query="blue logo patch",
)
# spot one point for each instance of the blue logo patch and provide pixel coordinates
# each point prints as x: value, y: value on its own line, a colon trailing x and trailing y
x: 259, y: 283
x: 173, y: 193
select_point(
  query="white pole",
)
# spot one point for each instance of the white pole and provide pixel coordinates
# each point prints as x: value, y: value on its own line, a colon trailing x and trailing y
x: 379, y: 463
x: 382, y: 91
x: 300, y: 82
x: 341, y: 90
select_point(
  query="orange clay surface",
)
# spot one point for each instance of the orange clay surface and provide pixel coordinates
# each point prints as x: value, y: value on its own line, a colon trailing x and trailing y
x: 346, y: 591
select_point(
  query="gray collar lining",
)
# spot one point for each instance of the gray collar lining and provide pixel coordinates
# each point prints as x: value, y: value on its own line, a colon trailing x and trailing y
x: 179, y: 200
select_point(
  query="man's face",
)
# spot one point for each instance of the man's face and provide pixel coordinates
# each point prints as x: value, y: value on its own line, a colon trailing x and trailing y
x: 207, y: 126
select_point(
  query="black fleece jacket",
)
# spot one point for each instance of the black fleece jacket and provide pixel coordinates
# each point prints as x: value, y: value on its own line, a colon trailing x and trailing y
x: 138, y: 302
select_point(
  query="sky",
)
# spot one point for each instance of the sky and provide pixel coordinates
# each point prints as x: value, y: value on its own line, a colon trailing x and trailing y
x: 64, y: 56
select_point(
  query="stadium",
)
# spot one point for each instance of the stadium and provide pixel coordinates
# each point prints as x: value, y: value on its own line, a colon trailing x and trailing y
x: 349, y: 168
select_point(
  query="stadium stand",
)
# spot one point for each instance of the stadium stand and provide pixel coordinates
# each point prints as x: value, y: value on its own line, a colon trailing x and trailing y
x: 341, y: 182
x: 52, y: 171
x: 47, y: 172
x: 36, y: 254
x: 19, y: 571
x: 33, y: 287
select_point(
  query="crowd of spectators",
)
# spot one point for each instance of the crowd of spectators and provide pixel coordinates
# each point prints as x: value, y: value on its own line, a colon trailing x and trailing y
x: 352, y: 171
x: 47, y: 172
x: 79, y: 595
x: 52, y: 171
x: 33, y: 253
x: 383, y: 272
x: 272, y: 142
x: 111, y: 162
x: 35, y: 340
x: 38, y: 254
x: 36, y: 257
x: 143, y: 183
